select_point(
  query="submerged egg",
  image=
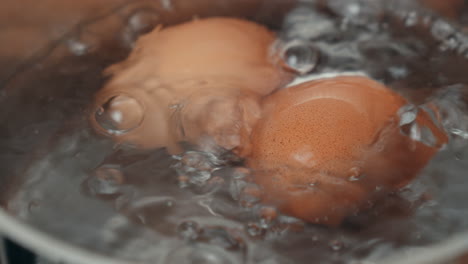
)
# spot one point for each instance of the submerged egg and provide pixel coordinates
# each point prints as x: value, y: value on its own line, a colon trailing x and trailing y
x: 323, y: 147
x: 201, y: 79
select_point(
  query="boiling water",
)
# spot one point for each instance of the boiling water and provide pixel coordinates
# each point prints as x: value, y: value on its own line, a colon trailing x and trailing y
x: 198, y: 207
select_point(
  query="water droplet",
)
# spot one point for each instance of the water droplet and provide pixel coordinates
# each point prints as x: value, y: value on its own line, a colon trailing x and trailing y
x: 299, y: 56
x: 120, y: 114
x: 188, y: 230
x: 106, y: 180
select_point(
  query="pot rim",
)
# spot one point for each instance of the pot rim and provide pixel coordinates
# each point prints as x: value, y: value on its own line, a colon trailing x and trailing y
x: 47, y: 246
x: 57, y: 250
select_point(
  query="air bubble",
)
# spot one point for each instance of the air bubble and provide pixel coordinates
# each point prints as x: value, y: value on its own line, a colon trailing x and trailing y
x: 34, y: 205
x: 83, y: 43
x: 106, y: 180
x: 420, y: 133
x: 459, y: 133
x: 221, y: 237
x: 411, y: 19
x: 299, y: 56
x: 120, y: 114
x: 240, y: 173
x: 77, y: 47
x: 336, y: 245
x: 140, y: 22
x: 196, y: 167
x: 451, y: 43
x: 254, y: 230
x: 268, y: 214
x: 427, y: 137
x: 417, y: 131
x: 143, y: 21
x: 198, y: 160
x: 167, y: 4
x: 408, y: 114
x: 235, y: 188
x: 188, y: 230
x: 442, y: 30
x: 408, y: 125
x: 183, y: 180
x: 398, y: 72
x: 356, y: 11
x: 314, y: 184
x: 355, y: 174
x: 250, y: 195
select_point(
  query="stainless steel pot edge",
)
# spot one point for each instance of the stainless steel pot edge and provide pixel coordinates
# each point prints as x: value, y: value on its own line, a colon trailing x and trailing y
x: 3, y: 257
x: 47, y: 246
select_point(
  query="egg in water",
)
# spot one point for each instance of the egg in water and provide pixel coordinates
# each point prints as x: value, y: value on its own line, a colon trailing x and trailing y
x: 199, y: 81
x: 323, y: 147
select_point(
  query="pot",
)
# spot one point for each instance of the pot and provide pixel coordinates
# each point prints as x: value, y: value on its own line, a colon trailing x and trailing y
x: 52, y: 55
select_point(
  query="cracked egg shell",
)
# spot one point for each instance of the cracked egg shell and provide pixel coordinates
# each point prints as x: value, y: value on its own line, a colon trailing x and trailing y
x: 200, y: 79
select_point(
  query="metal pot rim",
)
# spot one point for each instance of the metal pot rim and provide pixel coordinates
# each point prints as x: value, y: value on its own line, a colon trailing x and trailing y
x: 48, y: 246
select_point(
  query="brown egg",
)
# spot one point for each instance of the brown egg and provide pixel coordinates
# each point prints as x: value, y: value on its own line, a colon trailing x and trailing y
x: 323, y: 147
x: 198, y: 80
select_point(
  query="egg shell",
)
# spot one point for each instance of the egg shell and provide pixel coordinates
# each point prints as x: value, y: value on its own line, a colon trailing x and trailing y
x: 197, y: 80
x: 235, y: 49
x: 323, y: 147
